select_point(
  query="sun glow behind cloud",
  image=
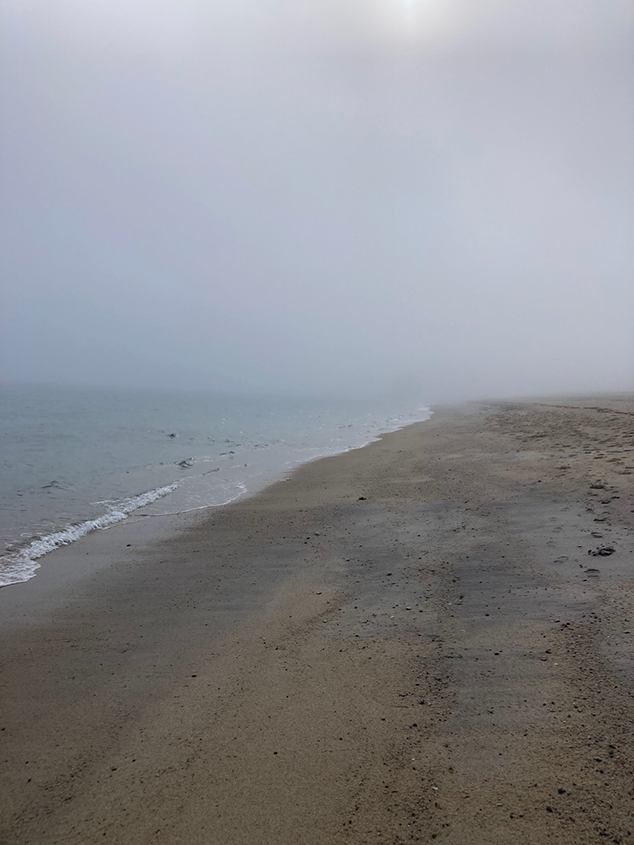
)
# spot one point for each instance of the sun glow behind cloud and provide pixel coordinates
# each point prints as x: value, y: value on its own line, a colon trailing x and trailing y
x: 418, y: 21
x: 387, y: 23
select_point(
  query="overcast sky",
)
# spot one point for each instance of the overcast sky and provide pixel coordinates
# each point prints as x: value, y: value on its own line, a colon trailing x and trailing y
x: 356, y: 195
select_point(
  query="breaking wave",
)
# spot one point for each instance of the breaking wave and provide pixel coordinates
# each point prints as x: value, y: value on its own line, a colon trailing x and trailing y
x: 22, y: 564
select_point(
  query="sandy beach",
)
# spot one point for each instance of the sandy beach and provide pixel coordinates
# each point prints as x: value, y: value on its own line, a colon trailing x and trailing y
x: 430, y: 638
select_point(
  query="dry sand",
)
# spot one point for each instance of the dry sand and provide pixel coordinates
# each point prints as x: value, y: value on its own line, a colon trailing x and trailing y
x: 405, y: 643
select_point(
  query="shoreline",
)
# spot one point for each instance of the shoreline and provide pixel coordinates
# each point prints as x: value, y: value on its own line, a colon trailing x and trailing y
x: 400, y: 642
x: 19, y: 563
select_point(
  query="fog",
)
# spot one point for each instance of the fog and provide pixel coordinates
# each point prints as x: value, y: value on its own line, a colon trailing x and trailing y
x: 433, y: 196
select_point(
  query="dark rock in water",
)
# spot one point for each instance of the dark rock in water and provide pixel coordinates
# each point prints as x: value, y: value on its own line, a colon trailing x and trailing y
x: 187, y: 462
x: 171, y: 435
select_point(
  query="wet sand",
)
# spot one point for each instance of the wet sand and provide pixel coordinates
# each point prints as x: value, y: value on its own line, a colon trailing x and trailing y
x: 425, y: 639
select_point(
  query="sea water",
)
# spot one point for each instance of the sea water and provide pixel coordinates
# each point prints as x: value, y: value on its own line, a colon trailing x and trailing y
x: 74, y: 460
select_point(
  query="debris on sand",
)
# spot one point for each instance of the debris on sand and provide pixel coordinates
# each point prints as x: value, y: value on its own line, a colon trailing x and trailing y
x: 602, y: 551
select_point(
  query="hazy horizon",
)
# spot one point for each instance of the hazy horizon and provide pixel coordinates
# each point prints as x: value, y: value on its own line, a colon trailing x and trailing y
x: 433, y: 197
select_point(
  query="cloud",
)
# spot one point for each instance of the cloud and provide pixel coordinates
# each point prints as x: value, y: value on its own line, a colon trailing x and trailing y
x: 319, y: 195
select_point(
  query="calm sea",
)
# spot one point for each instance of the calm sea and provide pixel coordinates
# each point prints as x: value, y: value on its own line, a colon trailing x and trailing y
x: 76, y: 460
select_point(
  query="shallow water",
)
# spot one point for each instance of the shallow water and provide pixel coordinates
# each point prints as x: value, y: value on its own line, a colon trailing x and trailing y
x: 79, y: 459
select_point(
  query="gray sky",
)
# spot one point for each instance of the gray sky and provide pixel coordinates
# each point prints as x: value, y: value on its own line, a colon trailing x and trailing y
x: 367, y: 195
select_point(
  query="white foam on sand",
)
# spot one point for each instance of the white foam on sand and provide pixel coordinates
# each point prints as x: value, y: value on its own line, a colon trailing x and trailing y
x: 21, y: 565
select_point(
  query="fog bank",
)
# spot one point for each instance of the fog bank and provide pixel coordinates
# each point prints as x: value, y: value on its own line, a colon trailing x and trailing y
x: 390, y: 195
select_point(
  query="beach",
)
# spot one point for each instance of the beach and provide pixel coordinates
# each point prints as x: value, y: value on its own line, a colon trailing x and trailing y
x: 429, y: 638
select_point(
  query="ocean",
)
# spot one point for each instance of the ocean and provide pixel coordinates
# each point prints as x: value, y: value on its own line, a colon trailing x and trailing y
x: 75, y: 460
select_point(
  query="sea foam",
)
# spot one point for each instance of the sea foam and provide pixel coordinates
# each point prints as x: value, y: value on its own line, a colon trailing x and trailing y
x: 22, y: 564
